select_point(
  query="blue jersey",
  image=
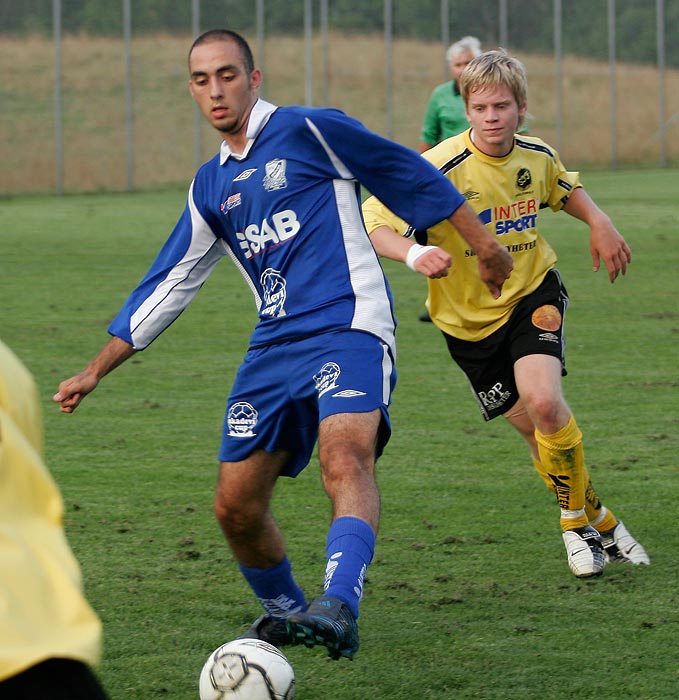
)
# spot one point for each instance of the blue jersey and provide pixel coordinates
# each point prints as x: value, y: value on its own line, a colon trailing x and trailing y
x: 287, y: 212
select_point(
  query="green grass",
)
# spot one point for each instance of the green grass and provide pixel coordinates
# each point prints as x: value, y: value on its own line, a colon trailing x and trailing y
x: 469, y: 596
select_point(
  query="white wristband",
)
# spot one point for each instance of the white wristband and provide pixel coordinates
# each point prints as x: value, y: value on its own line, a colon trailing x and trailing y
x: 414, y: 252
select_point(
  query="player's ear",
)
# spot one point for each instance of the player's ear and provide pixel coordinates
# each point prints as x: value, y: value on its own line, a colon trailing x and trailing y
x: 523, y: 108
x: 256, y: 78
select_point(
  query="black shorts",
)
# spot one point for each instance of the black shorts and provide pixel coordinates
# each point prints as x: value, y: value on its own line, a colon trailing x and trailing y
x: 535, y: 327
x: 54, y: 679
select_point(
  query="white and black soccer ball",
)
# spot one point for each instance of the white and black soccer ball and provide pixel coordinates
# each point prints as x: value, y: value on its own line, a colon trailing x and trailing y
x: 247, y: 669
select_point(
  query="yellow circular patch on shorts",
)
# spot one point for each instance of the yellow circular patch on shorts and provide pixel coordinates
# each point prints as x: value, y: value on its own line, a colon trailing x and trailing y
x: 547, y: 318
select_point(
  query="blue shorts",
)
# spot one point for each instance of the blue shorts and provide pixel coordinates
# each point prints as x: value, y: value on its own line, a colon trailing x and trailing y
x: 282, y: 392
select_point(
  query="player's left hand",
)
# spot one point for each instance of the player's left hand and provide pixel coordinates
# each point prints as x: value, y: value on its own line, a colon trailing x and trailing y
x: 607, y: 244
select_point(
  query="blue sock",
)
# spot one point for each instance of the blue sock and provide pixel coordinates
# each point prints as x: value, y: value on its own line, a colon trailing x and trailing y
x: 275, y: 588
x: 350, y: 548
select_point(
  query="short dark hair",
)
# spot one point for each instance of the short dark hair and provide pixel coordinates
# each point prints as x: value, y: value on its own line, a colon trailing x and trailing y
x: 227, y: 35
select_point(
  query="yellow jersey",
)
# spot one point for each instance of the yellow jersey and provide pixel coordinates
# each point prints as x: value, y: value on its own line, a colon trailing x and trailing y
x: 507, y: 193
x: 43, y: 613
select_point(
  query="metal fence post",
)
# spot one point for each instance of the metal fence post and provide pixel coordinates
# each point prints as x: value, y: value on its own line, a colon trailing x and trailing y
x: 129, y: 114
x: 58, y: 110
x: 197, y: 119
x: 558, y: 78
x: 662, y: 104
x: 613, y: 91
x: 308, y: 59
x: 388, y: 67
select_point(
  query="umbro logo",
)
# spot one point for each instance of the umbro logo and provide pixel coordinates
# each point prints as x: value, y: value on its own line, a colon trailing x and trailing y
x: 348, y: 394
x: 245, y: 174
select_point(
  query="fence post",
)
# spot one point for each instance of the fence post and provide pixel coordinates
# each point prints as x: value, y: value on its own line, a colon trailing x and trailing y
x: 662, y: 105
x: 197, y: 119
x: 388, y: 67
x: 308, y: 73
x: 58, y: 115
x: 557, y: 75
x: 613, y: 90
x: 129, y: 114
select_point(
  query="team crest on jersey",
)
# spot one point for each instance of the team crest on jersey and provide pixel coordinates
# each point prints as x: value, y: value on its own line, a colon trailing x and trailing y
x: 245, y: 174
x: 523, y: 179
x: 230, y: 203
x: 242, y: 419
x: 326, y: 378
x: 273, y: 292
x: 275, y: 179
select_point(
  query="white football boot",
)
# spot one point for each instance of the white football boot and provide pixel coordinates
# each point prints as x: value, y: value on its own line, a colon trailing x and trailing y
x: 585, y: 552
x: 620, y: 546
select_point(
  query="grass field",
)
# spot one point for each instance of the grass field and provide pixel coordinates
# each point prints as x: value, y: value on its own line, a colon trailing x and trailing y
x: 469, y: 596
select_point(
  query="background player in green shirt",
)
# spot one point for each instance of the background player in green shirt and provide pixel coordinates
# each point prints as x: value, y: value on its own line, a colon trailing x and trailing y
x: 445, y: 115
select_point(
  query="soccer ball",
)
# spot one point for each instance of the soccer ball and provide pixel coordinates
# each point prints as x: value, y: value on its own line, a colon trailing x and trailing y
x: 247, y: 669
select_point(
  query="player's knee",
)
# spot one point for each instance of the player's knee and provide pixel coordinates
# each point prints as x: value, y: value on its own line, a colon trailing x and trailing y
x: 546, y: 412
x: 344, y: 469
x: 236, y: 518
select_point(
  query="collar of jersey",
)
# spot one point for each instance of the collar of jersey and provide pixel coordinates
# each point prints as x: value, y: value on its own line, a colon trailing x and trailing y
x: 484, y: 156
x: 261, y: 112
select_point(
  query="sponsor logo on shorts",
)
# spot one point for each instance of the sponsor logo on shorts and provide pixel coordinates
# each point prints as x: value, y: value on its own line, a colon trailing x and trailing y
x: 546, y: 318
x: 495, y: 397
x: 348, y: 394
x: 549, y: 337
x: 326, y: 378
x: 242, y: 419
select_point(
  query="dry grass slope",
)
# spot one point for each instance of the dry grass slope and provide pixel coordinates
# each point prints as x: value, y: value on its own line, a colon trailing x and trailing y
x: 94, y: 125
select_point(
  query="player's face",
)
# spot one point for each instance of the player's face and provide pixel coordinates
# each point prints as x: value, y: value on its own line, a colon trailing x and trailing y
x: 222, y: 87
x: 494, y: 115
x: 459, y: 63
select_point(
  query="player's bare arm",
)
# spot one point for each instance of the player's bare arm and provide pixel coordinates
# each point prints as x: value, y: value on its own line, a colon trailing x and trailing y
x: 495, y: 262
x: 431, y: 261
x: 605, y: 242
x: 72, y: 391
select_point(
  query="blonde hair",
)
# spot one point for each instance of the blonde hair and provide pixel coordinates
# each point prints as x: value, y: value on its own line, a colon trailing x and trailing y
x: 492, y: 69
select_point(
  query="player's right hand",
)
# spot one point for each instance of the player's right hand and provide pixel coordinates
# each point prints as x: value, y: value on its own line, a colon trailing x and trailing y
x: 495, y: 267
x: 72, y: 391
x: 434, y: 262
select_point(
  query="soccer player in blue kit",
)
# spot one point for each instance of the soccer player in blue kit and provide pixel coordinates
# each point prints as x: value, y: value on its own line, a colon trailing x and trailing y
x: 282, y: 200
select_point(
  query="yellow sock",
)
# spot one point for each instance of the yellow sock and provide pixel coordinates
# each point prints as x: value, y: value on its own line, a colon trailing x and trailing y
x: 562, y: 458
x: 543, y: 474
x: 598, y: 515
x: 605, y: 521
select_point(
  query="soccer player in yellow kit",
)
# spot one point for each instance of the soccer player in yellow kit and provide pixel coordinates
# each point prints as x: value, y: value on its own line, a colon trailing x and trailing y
x: 49, y: 635
x: 512, y: 348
